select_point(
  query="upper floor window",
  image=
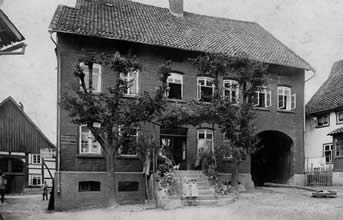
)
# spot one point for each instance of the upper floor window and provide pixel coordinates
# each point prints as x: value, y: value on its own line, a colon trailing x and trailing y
x: 205, y: 89
x: 129, y: 140
x: 339, y: 117
x: 131, y: 78
x: 327, y: 152
x: 263, y: 98
x: 286, y: 100
x: 96, y: 77
x: 205, y: 140
x: 88, y: 143
x: 35, y: 180
x: 175, y: 86
x: 323, y: 120
x: 231, y: 90
x: 35, y: 158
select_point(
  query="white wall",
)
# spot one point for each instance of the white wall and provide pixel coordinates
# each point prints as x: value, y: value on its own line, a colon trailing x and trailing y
x: 315, y: 138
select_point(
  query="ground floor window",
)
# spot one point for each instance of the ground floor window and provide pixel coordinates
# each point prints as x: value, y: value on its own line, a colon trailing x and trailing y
x: 327, y: 152
x: 128, y: 186
x: 339, y: 146
x: 86, y: 186
x: 205, y: 140
x: 35, y: 180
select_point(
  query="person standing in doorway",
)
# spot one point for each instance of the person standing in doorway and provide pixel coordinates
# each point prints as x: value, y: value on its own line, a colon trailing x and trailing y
x: 3, y: 183
x: 45, y: 190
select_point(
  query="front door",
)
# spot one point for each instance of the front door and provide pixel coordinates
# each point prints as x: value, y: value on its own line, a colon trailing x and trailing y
x: 175, y: 149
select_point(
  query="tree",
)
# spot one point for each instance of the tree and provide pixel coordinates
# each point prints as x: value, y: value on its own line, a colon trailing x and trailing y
x: 236, y: 122
x: 109, y: 115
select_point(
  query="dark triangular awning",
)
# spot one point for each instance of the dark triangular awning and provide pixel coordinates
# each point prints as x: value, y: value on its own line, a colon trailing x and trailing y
x: 336, y: 131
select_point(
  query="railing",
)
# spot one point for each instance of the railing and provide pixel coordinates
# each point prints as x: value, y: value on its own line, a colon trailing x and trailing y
x: 318, y: 172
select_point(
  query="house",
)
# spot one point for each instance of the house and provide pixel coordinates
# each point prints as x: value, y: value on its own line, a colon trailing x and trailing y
x: 324, y: 119
x: 155, y: 34
x: 22, y: 147
x: 11, y: 40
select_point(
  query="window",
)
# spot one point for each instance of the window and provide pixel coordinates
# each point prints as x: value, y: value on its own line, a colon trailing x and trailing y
x: 327, y: 152
x: 226, y: 142
x: 205, y: 140
x: 131, y: 79
x: 286, y: 100
x: 35, y: 158
x: 263, y: 98
x: 129, y: 140
x: 339, y: 146
x: 88, y: 143
x: 17, y: 166
x: 35, y: 180
x: 89, y: 186
x: 128, y: 186
x: 175, y: 86
x: 96, y: 77
x: 323, y: 120
x: 205, y: 89
x: 231, y: 90
x: 339, y: 117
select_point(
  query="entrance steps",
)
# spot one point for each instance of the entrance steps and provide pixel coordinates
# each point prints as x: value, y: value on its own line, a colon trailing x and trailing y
x: 207, y: 195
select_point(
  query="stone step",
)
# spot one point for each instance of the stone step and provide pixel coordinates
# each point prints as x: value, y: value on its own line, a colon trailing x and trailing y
x: 204, y: 197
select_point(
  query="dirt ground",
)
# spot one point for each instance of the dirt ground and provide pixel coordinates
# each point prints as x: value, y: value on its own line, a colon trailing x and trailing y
x: 263, y: 203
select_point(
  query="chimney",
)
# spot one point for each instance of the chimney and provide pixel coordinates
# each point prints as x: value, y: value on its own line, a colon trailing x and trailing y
x: 21, y: 106
x: 176, y: 7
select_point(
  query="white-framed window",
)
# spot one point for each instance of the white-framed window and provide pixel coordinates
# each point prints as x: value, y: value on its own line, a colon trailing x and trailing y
x: 327, y: 152
x: 131, y: 78
x: 339, y: 117
x: 96, y: 77
x: 263, y: 98
x: 35, y: 159
x: 205, y: 140
x: 286, y: 100
x: 231, y: 90
x: 205, y: 89
x: 129, y: 139
x: 88, y: 143
x: 226, y: 141
x: 35, y: 180
x: 175, y: 86
x: 323, y: 120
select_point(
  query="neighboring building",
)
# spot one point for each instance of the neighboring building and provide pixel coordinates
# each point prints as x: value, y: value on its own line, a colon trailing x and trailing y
x: 11, y: 40
x: 324, y: 119
x: 155, y: 34
x: 21, y: 144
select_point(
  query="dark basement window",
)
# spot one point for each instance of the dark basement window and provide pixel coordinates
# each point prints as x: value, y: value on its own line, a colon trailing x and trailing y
x: 89, y: 186
x: 128, y: 186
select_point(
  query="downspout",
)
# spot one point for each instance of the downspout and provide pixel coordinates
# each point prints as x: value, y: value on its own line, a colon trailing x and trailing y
x: 58, y: 143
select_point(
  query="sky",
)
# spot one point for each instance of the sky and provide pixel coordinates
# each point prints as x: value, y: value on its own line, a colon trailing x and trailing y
x: 311, y: 28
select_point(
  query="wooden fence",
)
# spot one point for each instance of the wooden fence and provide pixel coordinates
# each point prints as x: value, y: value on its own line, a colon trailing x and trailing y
x: 318, y: 175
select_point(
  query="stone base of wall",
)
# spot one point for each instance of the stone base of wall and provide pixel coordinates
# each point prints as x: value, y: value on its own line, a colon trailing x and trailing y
x: 70, y: 196
x: 243, y: 178
x: 297, y: 179
x: 337, y: 178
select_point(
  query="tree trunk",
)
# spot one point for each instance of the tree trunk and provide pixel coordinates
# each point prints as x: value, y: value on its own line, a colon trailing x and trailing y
x: 111, y: 180
x: 235, y: 173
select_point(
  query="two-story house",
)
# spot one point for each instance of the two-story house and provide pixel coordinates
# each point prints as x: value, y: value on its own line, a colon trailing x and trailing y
x: 324, y: 119
x: 22, y: 149
x: 155, y: 34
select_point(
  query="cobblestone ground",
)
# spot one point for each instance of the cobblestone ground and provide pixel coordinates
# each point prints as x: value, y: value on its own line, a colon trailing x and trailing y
x: 263, y: 203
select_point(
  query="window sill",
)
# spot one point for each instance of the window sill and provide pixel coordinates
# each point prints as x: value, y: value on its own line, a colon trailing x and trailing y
x: 128, y: 157
x: 262, y: 109
x: 130, y: 96
x: 176, y: 100
x: 227, y: 159
x: 339, y: 122
x: 286, y: 111
x: 97, y: 156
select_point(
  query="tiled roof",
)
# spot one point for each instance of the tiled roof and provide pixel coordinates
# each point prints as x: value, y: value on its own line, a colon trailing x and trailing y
x: 8, y: 32
x: 136, y: 22
x: 330, y: 95
x: 336, y: 131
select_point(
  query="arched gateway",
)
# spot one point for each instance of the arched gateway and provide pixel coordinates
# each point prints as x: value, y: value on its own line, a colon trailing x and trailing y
x: 273, y: 161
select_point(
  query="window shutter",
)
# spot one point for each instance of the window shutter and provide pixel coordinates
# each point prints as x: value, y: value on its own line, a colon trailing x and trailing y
x: 293, y: 101
x: 96, y: 77
x: 268, y: 99
x: 85, y: 71
x: 199, y: 91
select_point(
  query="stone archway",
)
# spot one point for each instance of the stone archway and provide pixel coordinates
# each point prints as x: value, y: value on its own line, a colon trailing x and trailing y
x: 273, y: 161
